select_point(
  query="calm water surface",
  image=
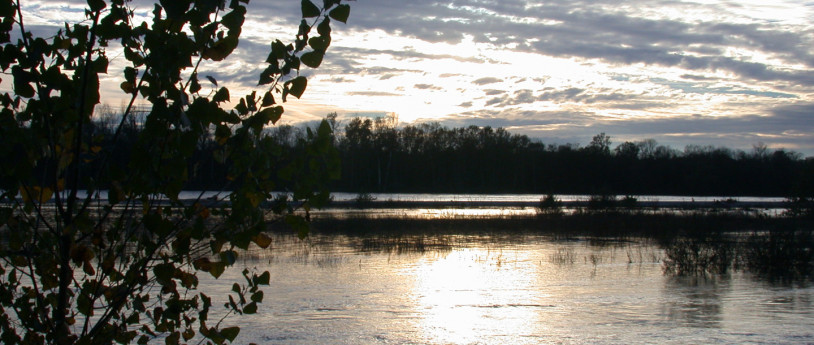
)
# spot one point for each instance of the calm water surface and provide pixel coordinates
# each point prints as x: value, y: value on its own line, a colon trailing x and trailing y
x: 505, y: 290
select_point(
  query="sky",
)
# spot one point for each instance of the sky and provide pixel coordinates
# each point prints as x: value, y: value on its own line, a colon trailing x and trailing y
x: 721, y: 73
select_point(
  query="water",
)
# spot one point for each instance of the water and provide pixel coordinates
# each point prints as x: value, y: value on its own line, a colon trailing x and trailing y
x: 505, y: 290
x: 485, y: 205
x: 534, y: 198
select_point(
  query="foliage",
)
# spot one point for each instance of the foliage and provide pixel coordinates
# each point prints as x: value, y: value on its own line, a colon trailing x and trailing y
x: 78, y: 268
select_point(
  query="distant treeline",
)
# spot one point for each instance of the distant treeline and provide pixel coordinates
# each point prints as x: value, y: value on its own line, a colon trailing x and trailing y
x: 379, y: 157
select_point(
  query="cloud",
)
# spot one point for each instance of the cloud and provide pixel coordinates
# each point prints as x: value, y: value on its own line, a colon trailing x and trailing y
x: 487, y: 80
x: 427, y: 87
x: 372, y: 93
x: 786, y: 128
x: 592, y: 30
x: 568, y: 69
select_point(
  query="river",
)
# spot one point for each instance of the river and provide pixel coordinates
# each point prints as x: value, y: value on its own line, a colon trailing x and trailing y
x: 499, y: 289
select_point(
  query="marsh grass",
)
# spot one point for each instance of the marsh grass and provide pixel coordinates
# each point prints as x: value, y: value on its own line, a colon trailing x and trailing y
x: 693, y: 243
x: 613, y: 224
x: 783, y: 256
x: 404, y: 244
x: 564, y: 256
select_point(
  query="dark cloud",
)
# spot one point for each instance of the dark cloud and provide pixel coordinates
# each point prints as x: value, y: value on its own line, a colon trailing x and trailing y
x: 590, y: 30
x: 497, y: 100
x: 783, y: 127
x: 707, y: 88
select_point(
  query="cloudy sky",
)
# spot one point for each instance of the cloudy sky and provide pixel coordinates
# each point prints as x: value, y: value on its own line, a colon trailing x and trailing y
x: 731, y: 73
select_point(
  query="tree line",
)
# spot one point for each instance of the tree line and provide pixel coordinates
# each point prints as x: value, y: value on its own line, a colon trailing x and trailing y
x: 378, y: 156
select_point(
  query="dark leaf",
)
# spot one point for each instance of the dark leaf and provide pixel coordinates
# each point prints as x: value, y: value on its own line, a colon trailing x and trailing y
x: 297, y: 86
x: 264, y: 279
x: 230, y: 333
x: 268, y: 100
x: 250, y: 308
x: 222, y: 48
x: 221, y: 96
x: 319, y: 43
x: 262, y: 240
x: 309, y: 10
x: 272, y: 114
x: 257, y: 296
x: 312, y: 59
x: 96, y: 5
x: 340, y: 13
x: 324, y: 27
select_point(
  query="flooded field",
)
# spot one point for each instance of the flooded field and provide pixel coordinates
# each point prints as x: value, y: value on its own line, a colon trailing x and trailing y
x: 503, y: 289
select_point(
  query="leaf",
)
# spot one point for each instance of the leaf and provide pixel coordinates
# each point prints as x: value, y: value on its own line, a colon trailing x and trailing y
x: 212, y: 80
x: 312, y: 59
x: 341, y: 13
x: 242, y: 108
x: 217, y: 269
x: 87, y: 267
x: 234, y: 20
x: 164, y: 273
x: 6, y: 9
x: 230, y: 333
x: 194, y: 86
x: 272, y: 114
x: 84, y: 305
x: 127, y: 87
x: 202, y: 264
x: 297, y: 86
x: 278, y: 51
x: 262, y: 240
x: 263, y: 279
x: 319, y: 43
x: 96, y: 5
x: 228, y: 257
x: 257, y: 296
x: 250, y: 308
x: 222, y: 48
x: 173, y: 339
x: 188, y: 334
x: 309, y: 10
x: 221, y: 96
x: 324, y: 27
x: 22, y: 79
x: 268, y: 100
x: 175, y: 8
